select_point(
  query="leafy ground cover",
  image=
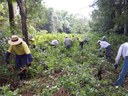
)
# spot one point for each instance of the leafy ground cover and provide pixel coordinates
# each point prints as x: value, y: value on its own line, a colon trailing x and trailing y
x: 61, y: 72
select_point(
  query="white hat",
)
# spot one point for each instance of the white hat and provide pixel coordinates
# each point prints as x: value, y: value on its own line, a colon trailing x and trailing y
x: 98, y: 41
x: 15, y: 40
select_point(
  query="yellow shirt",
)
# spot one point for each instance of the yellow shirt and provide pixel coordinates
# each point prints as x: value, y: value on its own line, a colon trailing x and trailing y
x: 33, y: 42
x: 19, y: 49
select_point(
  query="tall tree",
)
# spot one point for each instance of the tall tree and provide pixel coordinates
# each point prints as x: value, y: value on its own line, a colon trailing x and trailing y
x: 36, y: 13
x: 23, y: 19
x: 113, y: 15
x: 11, y: 16
x: 125, y: 17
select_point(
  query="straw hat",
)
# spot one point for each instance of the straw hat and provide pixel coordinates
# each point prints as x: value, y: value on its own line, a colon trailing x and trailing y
x: 15, y: 40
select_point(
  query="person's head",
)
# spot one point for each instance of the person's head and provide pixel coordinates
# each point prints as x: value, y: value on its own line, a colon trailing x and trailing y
x: 15, y: 40
x: 98, y: 42
x: 104, y: 38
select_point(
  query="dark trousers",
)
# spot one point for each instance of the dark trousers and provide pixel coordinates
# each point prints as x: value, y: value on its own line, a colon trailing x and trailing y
x: 21, y: 61
x: 81, y: 44
x: 68, y: 46
x: 108, y: 52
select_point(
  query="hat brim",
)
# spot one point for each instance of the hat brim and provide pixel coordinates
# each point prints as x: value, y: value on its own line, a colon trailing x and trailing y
x: 98, y: 41
x: 16, y: 42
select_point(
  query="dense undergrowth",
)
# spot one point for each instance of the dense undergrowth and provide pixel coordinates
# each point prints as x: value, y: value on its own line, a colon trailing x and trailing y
x: 61, y: 72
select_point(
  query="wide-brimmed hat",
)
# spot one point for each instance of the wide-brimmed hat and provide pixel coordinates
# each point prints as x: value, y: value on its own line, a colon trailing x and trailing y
x: 15, y: 40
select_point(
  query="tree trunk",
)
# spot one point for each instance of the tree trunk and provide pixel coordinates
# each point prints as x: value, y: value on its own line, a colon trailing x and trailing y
x: 125, y: 29
x: 23, y: 19
x: 11, y: 16
x: 125, y: 19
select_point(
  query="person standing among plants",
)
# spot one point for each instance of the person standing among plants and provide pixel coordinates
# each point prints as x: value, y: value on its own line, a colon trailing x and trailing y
x: 22, y: 52
x: 81, y: 43
x: 122, y: 51
x: 67, y: 42
x: 107, y: 46
x: 32, y: 42
x: 74, y: 40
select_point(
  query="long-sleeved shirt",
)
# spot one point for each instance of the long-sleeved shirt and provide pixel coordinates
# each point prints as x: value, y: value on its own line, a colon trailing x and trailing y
x: 104, y: 44
x: 122, y: 51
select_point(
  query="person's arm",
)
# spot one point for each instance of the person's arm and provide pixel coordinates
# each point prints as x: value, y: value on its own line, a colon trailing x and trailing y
x: 27, y: 52
x: 65, y: 41
x: 118, y: 57
x: 101, y: 47
x: 26, y: 49
x: 8, y: 53
x: 29, y: 56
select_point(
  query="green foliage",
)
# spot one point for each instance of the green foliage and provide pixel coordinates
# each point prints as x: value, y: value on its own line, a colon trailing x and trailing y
x: 109, y: 15
x: 7, y: 92
x: 61, y: 21
x: 71, y: 63
x: 36, y: 12
x: 75, y: 70
x: 1, y: 7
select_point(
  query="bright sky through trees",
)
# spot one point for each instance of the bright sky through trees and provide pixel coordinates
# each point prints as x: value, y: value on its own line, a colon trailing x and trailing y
x: 72, y: 6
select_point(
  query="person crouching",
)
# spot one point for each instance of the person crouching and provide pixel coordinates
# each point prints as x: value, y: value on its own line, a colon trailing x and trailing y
x: 23, y: 55
x: 107, y: 46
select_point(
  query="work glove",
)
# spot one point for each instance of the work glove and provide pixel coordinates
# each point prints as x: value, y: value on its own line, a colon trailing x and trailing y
x: 116, y: 66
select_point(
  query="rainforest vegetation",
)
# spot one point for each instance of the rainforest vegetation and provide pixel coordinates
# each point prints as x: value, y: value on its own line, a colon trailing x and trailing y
x: 58, y: 71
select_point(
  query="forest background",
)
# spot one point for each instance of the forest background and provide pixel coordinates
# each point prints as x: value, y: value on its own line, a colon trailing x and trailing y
x: 31, y: 17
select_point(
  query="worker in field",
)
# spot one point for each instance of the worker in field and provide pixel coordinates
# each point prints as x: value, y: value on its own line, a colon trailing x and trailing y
x: 82, y: 42
x: 122, y: 51
x: 23, y: 57
x: 32, y: 41
x: 104, y: 38
x: 74, y: 40
x: 54, y: 43
x: 67, y: 42
x: 107, y: 46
